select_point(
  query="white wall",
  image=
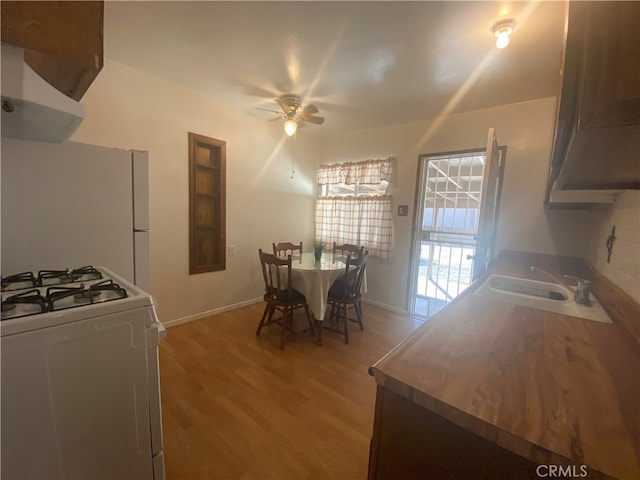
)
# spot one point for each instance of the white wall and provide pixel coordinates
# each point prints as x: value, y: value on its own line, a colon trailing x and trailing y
x: 624, y: 267
x: 127, y: 108
x: 527, y: 131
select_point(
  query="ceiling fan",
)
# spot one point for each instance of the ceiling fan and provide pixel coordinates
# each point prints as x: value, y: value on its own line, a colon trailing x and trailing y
x: 292, y: 111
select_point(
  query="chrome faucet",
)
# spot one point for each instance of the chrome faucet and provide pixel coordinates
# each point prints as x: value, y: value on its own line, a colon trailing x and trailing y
x: 583, y: 286
x: 533, y: 268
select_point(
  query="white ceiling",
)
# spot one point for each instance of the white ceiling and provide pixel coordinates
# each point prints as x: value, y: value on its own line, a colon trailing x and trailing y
x: 364, y: 64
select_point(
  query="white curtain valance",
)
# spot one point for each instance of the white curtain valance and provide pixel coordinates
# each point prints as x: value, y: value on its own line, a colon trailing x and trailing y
x: 367, y: 172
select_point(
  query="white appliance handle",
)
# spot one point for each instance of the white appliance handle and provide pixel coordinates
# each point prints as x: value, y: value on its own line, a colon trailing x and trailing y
x: 155, y: 332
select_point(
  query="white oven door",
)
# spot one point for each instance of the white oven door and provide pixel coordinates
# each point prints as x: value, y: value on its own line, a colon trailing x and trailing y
x: 75, y: 400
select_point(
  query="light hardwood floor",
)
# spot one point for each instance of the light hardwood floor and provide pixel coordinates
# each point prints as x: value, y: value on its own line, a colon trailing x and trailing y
x: 235, y: 406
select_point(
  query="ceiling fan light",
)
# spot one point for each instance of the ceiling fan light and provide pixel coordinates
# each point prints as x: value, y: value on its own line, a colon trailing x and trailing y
x: 290, y: 127
x: 502, y: 41
x: 503, y: 31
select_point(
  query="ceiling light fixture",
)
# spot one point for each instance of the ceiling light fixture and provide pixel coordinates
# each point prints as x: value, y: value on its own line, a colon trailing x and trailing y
x: 502, y: 31
x: 290, y: 127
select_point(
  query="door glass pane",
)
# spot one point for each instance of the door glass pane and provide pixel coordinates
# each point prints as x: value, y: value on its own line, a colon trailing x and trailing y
x: 452, y: 190
x: 444, y: 272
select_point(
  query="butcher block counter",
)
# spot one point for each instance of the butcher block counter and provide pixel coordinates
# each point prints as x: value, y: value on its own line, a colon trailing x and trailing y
x: 487, y: 389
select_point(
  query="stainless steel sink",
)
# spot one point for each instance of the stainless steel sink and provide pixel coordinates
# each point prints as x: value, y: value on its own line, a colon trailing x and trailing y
x: 551, y: 297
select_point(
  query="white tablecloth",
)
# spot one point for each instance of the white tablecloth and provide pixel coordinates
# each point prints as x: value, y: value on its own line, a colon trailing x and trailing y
x: 314, y: 279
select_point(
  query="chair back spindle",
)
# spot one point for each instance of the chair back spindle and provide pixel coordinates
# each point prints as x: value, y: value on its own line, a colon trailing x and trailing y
x: 283, y: 249
x: 348, y: 249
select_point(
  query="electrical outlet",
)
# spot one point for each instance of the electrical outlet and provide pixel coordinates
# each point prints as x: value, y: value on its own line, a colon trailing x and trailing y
x: 232, y: 250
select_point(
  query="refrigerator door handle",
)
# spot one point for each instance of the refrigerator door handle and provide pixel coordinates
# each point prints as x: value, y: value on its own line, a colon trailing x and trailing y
x: 141, y: 259
x: 140, y: 188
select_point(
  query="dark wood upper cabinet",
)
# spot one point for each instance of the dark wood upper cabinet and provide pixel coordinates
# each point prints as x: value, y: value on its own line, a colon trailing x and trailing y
x: 597, y: 138
x: 207, y: 204
x: 610, y: 94
x: 63, y: 41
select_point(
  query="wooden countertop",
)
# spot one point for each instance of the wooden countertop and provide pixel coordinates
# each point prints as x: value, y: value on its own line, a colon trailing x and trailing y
x: 552, y: 388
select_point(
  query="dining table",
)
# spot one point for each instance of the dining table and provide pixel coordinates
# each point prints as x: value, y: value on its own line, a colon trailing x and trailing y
x: 314, y: 279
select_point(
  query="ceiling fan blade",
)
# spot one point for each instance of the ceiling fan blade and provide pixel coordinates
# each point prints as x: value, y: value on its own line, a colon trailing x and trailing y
x: 269, y: 110
x: 309, y: 109
x: 312, y: 119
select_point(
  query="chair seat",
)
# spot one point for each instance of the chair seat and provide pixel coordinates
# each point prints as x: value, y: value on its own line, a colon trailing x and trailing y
x: 342, y: 292
x: 283, y: 297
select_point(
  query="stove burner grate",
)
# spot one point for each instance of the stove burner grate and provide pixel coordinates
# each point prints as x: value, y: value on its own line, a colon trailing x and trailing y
x: 7, y: 307
x: 86, y: 296
x: 57, y: 295
x: 19, y: 280
x: 61, y: 298
x: 47, y: 278
x: 86, y: 273
x: 54, y: 277
x: 110, y: 286
x: 30, y: 298
x: 55, y: 290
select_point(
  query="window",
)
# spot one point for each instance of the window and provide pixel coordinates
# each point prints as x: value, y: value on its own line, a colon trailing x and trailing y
x: 354, y: 206
x: 207, y: 183
x: 355, y: 189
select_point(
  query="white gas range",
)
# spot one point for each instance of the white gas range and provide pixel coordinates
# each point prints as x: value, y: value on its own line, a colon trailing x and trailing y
x: 80, y: 378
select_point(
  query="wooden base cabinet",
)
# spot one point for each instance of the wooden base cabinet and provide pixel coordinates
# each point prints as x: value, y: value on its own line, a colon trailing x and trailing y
x: 410, y: 442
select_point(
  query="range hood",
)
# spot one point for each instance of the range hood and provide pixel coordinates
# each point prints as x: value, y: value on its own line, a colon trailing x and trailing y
x: 31, y: 108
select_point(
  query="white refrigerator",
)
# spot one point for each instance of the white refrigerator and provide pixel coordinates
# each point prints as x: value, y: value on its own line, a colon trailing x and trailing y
x: 71, y: 204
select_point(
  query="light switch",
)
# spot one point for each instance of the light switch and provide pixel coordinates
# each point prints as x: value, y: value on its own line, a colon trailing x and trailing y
x: 232, y: 250
x: 403, y: 210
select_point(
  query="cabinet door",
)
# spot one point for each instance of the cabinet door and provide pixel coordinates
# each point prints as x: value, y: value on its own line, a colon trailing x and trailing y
x: 63, y: 41
x: 597, y: 137
x: 610, y: 74
x: 410, y: 442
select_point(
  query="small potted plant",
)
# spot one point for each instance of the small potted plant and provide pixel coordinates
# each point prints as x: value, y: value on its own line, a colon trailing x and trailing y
x: 318, y: 248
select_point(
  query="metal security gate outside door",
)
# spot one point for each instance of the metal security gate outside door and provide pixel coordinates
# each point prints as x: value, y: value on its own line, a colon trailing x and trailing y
x: 456, y: 218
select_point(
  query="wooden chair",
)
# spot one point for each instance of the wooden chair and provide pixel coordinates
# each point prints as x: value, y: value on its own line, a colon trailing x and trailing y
x: 283, y: 249
x: 280, y: 295
x: 348, y: 249
x: 345, y: 292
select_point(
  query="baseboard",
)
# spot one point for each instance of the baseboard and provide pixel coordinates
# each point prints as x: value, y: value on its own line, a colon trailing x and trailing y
x: 209, y: 313
x: 216, y: 311
x: 391, y: 308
